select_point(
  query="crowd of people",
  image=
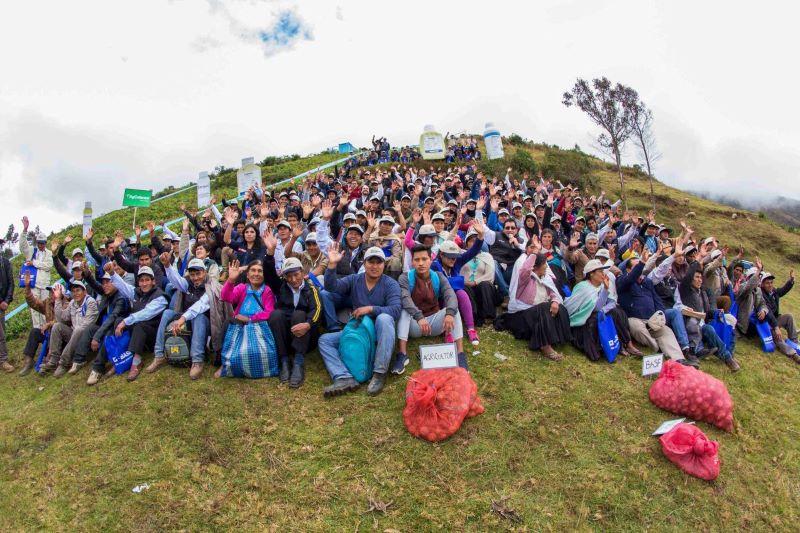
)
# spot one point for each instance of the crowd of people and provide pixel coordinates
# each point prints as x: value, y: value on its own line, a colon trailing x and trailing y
x: 439, y: 252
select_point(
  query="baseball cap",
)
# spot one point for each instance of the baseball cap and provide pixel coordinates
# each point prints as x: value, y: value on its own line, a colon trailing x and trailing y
x: 77, y: 283
x: 426, y: 229
x: 752, y: 271
x: 593, y: 265
x: 437, y: 216
x: 708, y: 240
x: 349, y: 216
x: 767, y: 275
x: 689, y: 249
x: 314, y: 221
x: 146, y: 271
x: 602, y: 252
x: 387, y: 219
x: 196, y: 264
x: 516, y: 205
x: 356, y: 227
x: 107, y: 276
x: 716, y: 253
x: 40, y: 237
x: 284, y: 223
x: 503, y: 211
x: 292, y: 264
x: 555, y: 217
x: 374, y: 252
x: 76, y: 251
x: 450, y: 249
x: 77, y: 265
x: 405, y: 197
x: 311, y: 237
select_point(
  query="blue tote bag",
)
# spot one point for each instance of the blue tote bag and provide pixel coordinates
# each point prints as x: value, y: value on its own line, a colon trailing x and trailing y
x: 608, y: 336
x: 722, y: 328
x: 767, y: 342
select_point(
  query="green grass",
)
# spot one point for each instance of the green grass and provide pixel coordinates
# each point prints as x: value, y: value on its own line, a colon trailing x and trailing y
x: 566, y: 444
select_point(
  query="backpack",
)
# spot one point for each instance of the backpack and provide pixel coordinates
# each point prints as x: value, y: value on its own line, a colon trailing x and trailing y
x: 412, y: 280
x: 359, y: 340
x: 176, y: 348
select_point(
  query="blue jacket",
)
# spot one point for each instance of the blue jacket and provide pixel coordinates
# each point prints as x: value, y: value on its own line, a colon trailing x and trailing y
x: 638, y: 298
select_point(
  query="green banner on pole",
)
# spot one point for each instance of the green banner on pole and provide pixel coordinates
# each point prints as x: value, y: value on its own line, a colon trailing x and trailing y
x: 137, y: 198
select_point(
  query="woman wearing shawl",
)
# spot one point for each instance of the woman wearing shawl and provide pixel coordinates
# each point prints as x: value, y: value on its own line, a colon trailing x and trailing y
x: 542, y: 318
x: 589, y: 297
x: 249, y: 347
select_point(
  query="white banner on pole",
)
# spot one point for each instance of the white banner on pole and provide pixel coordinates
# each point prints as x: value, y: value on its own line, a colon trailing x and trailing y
x: 249, y: 174
x: 203, y: 190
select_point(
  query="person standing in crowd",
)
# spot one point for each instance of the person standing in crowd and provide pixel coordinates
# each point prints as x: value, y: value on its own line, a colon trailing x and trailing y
x: 373, y: 294
x: 40, y: 258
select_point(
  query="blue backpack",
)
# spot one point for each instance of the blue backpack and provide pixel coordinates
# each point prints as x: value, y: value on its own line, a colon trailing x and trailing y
x: 762, y: 327
x: 412, y: 280
x: 357, y: 347
x: 608, y: 336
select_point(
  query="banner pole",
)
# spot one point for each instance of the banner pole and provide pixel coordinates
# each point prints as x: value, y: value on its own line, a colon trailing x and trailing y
x: 134, y: 219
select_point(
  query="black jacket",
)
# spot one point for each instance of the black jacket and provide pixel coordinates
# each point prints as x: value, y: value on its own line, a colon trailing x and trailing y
x: 6, y: 281
x: 284, y: 299
x: 111, y: 310
x: 773, y: 299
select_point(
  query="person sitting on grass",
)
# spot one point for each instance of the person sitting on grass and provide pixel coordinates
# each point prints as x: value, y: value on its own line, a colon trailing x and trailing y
x: 702, y: 333
x: 430, y: 308
x: 295, y: 320
x: 373, y: 294
x: 541, y: 318
x: 36, y: 336
x: 74, y: 317
x: 147, y: 303
x: 197, y: 302
x: 113, y: 307
x: 772, y: 297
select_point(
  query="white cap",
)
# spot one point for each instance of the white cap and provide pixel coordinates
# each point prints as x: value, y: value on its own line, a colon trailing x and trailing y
x: 361, y: 213
x: 516, y: 205
x: 349, y: 216
x: 767, y: 275
x: 374, y: 252
x: 41, y: 237
x: 708, y: 240
x: 77, y: 283
x: 196, y: 264
x: 291, y: 264
x: 503, y: 211
x: 76, y: 265
x: 752, y: 271
x: 426, y: 229
x: 146, y: 271
x: 591, y: 266
x: 107, y: 276
x: 450, y: 248
x: 591, y: 237
x: 311, y: 237
x: 284, y: 223
x: 437, y: 216
x: 387, y: 219
x: 356, y: 227
x: 716, y: 253
x: 76, y: 251
x: 602, y: 252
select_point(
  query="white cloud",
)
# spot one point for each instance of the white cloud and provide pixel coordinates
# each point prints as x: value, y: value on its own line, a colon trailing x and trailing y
x: 89, y: 106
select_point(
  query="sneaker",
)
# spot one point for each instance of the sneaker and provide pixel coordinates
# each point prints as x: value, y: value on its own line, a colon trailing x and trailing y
x: 60, y: 371
x: 75, y: 368
x: 340, y: 386
x: 376, y: 384
x: 704, y: 352
x: 400, y: 363
x: 473, y: 337
x: 5, y: 366
x: 196, y: 372
x: 733, y: 364
x: 157, y: 363
x: 27, y: 367
x: 687, y: 362
x: 94, y: 377
x: 133, y: 373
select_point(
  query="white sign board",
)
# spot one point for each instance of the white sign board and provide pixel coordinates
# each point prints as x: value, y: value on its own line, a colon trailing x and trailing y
x: 651, y: 364
x: 249, y: 174
x: 438, y: 356
x: 667, y: 426
x: 203, y: 190
x: 87, y: 218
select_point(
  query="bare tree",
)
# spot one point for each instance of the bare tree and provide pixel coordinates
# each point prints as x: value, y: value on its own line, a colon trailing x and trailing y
x: 608, y: 106
x: 642, y: 127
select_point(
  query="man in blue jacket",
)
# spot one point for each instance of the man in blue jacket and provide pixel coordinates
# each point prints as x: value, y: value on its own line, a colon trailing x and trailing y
x: 372, y: 294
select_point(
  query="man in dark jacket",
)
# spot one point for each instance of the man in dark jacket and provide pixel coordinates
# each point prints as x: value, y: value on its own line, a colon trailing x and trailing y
x: 113, y: 307
x: 295, y: 319
x: 6, y: 295
x: 772, y: 297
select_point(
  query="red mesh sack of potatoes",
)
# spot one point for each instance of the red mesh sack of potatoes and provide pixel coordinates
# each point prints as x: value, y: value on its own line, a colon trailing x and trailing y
x: 437, y: 401
x: 689, y: 448
x: 684, y: 390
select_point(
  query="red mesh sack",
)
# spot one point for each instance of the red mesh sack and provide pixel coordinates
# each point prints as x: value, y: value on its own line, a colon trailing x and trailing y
x: 689, y: 448
x: 437, y: 401
x: 475, y: 405
x: 684, y: 390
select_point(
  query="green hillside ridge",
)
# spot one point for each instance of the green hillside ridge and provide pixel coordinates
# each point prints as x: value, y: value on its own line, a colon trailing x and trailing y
x: 561, y: 446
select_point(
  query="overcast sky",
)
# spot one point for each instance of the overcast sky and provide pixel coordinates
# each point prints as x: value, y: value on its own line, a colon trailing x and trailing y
x: 96, y: 96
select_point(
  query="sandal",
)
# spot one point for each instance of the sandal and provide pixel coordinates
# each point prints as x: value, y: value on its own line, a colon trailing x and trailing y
x: 553, y: 355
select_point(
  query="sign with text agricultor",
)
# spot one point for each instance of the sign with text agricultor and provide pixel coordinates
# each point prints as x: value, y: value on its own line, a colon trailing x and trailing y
x: 137, y: 198
x: 438, y: 356
x: 652, y: 364
x: 203, y: 190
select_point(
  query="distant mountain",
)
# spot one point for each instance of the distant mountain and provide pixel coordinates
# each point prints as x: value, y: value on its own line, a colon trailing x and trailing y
x: 785, y: 211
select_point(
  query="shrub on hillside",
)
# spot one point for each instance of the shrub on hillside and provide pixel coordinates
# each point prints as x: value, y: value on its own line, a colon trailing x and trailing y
x: 522, y: 161
x: 566, y: 165
x: 515, y: 140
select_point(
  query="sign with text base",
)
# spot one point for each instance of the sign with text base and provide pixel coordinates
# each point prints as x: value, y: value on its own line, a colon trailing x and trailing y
x: 438, y: 356
x: 137, y: 198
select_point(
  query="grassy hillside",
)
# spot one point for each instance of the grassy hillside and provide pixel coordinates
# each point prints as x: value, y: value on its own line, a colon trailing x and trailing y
x: 562, y: 446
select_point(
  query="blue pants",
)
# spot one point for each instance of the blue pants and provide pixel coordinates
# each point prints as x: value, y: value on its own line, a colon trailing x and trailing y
x: 678, y: 326
x: 385, y: 334
x: 332, y: 301
x: 200, y: 328
x: 500, y: 280
x: 712, y: 340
